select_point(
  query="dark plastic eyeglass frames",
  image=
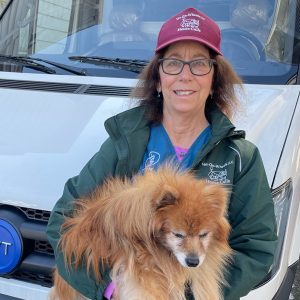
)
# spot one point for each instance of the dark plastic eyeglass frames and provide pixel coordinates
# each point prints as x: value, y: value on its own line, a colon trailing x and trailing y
x: 198, y: 67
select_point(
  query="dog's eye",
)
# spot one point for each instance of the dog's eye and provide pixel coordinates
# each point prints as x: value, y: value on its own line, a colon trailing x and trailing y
x: 178, y: 235
x: 203, y: 235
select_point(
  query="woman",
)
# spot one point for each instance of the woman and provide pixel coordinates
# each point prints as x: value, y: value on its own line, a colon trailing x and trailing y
x: 187, y: 97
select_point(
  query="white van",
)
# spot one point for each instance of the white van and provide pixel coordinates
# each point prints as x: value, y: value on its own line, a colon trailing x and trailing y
x: 66, y: 66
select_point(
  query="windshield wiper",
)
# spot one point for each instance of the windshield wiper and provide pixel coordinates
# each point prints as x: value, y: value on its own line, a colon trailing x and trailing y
x: 133, y: 65
x: 70, y: 69
x: 28, y: 63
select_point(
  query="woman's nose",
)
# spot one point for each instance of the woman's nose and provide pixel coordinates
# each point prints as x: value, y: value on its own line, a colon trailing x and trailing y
x: 186, y: 72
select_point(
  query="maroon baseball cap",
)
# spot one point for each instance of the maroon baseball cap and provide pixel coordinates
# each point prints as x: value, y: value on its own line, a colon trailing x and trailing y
x: 190, y: 24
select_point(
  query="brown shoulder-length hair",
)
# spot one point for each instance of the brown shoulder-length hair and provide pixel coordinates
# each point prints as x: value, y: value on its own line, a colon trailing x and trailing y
x: 223, y: 88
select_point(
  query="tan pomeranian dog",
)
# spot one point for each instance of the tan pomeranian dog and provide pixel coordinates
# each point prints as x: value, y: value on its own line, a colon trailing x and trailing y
x: 158, y: 233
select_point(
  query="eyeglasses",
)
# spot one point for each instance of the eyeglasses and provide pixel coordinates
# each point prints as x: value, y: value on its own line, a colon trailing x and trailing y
x: 198, y: 67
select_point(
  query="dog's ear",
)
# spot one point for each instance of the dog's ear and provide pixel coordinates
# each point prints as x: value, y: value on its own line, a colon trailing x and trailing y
x: 166, y: 196
x: 217, y: 196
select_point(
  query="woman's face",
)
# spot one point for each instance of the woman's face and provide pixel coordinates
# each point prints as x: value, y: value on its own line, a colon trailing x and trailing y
x: 185, y: 93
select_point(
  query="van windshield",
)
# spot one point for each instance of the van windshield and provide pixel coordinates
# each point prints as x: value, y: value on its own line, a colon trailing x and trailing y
x: 259, y: 37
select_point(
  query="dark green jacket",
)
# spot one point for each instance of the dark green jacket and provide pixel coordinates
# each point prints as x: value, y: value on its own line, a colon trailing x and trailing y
x: 227, y: 158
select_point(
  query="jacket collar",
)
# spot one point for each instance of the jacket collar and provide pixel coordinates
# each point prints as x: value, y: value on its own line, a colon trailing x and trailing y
x: 134, y: 119
x: 221, y: 125
x: 126, y: 122
x: 130, y: 132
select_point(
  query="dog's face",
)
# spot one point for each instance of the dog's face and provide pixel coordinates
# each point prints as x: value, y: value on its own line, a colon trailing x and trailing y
x: 188, y: 247
x: 190, y: 220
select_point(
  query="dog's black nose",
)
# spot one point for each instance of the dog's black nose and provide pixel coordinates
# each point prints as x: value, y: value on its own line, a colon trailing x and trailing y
x: 192, y: 261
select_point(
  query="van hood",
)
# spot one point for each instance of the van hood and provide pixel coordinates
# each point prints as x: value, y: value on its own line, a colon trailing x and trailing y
x: 47, y: 137
x: 266, y: 115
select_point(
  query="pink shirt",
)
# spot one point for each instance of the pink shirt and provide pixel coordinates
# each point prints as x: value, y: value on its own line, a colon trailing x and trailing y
x: 180, y: 152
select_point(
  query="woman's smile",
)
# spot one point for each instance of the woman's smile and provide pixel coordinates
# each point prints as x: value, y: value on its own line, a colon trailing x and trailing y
x: 184, y: 92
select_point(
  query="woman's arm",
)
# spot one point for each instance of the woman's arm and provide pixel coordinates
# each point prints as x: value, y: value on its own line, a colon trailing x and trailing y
x: 253, y: 236
x: 102, y: 165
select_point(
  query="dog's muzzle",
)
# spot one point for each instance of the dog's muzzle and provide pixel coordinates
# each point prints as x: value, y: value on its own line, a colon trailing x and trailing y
x: 192, y: 261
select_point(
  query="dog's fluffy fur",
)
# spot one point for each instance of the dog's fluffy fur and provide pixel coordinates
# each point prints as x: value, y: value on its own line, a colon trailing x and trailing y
x: 158, y: 232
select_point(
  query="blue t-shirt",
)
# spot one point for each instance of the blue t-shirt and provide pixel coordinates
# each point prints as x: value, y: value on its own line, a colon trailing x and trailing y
x: 160, y: 149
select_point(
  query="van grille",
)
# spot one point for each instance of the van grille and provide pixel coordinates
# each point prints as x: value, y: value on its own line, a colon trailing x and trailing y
x: 37, y: 263
x: 41, y: 279
x: 43, y: 247
x: 36, y: 214
x: 39, y: 86
x: 58, y: 87
x: 107, y: 90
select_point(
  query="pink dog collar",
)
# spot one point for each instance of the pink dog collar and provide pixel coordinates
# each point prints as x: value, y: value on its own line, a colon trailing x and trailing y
x: 109, y: 291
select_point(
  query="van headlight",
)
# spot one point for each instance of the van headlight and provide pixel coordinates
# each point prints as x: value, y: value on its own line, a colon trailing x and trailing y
x: 282, y: 197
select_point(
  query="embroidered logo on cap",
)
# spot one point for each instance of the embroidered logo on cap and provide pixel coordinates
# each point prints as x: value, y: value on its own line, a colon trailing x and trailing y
x: 189, y: 22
